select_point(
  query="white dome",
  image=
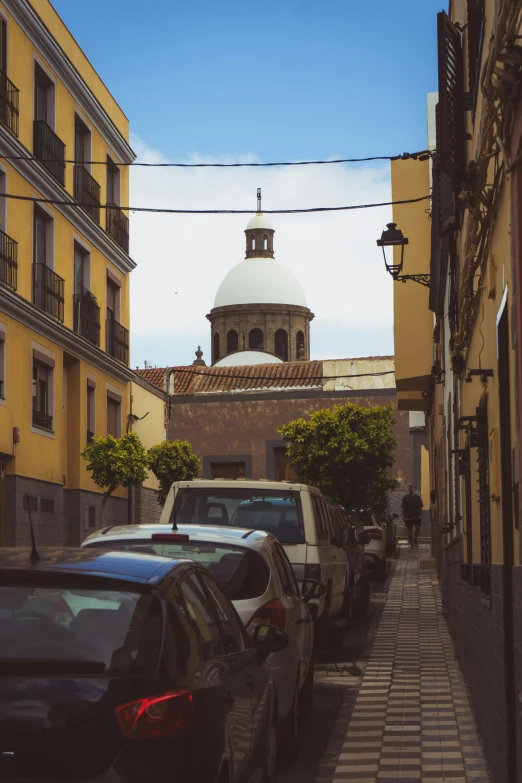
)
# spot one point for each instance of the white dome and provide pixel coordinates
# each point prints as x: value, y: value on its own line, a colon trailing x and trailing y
x: 259, y: 221
x: 260, y: 281
x: 248, y: 358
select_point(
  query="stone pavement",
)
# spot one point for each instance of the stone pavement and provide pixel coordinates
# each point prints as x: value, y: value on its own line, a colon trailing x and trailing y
x: 411, y: 719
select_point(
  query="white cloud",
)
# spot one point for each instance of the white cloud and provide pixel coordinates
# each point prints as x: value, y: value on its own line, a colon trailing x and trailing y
x: 333, y: 254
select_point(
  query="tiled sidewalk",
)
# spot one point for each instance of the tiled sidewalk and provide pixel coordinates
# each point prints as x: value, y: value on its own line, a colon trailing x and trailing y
x: 412, y: 719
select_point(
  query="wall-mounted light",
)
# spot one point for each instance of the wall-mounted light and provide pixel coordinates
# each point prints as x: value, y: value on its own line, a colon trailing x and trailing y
x: 393, y: 237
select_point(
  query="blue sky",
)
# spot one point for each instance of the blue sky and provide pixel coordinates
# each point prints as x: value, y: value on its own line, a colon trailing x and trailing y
x: 273, y: 80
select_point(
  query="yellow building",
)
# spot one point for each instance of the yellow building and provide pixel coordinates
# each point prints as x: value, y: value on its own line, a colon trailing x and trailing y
x: 473, y: 400
x: 64, y: 287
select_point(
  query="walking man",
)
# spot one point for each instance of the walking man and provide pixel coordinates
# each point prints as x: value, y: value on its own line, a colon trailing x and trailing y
x: 411, y: 512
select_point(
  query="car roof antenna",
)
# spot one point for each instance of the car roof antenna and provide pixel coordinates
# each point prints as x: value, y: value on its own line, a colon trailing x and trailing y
x: 34, y: 552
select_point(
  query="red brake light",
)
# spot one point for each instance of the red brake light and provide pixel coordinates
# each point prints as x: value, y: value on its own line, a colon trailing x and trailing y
x: 373, y: 533
x: 272, y: 613
x: 167, y: 715
x: 170, y: 537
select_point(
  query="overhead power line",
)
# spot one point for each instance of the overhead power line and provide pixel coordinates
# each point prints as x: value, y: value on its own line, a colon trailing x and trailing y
x: 67, y: 203
x: 423, y: 155
x: 188, y: 370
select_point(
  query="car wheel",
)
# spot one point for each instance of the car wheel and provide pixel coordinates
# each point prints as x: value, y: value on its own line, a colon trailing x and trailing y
x: 306, y: 698
x: 288, y: 732
x: 380, y: 571
x: 363, y: 602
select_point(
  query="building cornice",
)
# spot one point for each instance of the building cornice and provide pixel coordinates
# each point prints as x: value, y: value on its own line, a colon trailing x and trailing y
x: 311, y: 393
x: 260, y: 308
x: 18, y: 308
x: 40, y: 179
x: 42, y: 39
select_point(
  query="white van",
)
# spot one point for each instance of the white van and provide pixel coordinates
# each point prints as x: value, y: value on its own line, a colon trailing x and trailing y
x: 297, y: 515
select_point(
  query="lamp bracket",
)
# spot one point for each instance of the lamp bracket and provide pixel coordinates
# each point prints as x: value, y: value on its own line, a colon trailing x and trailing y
x: 422, y: 279
x: 482, y: 374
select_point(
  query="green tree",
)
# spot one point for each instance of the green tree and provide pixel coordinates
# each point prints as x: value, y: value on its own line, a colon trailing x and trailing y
x: 346, y: 452
x: 116, y: 462
x: 172, y: 460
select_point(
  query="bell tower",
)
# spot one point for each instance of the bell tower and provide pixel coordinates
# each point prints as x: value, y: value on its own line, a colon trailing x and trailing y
x: 259, y: 238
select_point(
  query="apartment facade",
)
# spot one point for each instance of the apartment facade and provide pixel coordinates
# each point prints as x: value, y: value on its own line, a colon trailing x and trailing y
x: 472, y: 399
x: 64, y: 276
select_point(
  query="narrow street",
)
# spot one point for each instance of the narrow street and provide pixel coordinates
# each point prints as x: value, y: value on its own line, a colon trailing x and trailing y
x: 393, y: 705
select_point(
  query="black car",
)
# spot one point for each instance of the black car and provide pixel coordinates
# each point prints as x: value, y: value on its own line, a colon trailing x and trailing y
x: 125, y: 668
x: 349, y: 533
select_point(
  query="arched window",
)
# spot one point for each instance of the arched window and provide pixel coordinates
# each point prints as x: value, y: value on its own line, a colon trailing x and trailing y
x: 281, y: 344
x: 265, y: 241
x: 253, y: 242
x: 299, y: 341
x: 232, y: 341
x: 216, y: 347
x: 255, y: 340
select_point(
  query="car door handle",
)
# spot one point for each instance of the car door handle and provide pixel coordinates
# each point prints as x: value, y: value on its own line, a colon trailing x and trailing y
x: 229, y: 699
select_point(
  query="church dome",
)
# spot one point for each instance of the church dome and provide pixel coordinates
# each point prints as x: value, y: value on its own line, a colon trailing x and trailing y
x: 260, y: 281
x: 259, y: 221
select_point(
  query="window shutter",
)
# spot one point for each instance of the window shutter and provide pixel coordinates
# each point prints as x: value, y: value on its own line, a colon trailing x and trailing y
x: 476, y: 21
x: 3, y: 46
x: 113, y: 410
x: 451, y: 143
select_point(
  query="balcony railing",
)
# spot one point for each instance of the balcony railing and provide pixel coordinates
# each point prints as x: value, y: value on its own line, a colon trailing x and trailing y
x: 48, y: 291
x: 117, y: 340
x: 8, y: 103
x: 43, y: 420
x: 8, y: 261
x: 49, y: 150
x: 87, y: 192
x: 87, y: 316
x: 118, y: 226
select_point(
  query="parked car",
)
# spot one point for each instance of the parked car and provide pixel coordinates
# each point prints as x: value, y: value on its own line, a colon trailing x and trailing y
x: 376, y: 549
x: 297, y: 515
x: 126, y: 668
x: 253, y: 571
x: 353, y: 539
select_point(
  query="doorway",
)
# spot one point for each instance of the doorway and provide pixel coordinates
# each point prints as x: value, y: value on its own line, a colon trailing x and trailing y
x: 506, y: 470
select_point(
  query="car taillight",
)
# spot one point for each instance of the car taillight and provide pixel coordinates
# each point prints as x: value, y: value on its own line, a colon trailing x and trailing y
x: 376, y: 534
x: 272, y: 613
x: 166, y: 715
x: 172, y: 537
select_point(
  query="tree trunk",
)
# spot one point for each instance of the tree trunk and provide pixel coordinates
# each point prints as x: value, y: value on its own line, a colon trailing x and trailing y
x: 105, y: 498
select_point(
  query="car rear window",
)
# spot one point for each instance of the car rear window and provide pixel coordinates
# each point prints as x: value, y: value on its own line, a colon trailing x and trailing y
x: 240, y: 572
x: 73, y: 631
x: 274, y: 511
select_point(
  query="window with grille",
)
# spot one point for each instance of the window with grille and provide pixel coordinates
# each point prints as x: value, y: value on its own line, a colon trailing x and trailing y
x: 42, y: 410
x: 91, y: 397
x: 113, y: 417
x: 281, y: 344
x: 255, y: 340
x: 232, y: 341
x: 283, y: 470
x: 30, y: 503
x: 484, y: 500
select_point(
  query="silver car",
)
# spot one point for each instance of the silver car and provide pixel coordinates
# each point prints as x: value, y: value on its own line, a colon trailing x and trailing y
x: 255, y: 574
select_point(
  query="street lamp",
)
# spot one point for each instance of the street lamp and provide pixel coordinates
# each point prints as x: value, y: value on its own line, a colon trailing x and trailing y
x: 393, y: 237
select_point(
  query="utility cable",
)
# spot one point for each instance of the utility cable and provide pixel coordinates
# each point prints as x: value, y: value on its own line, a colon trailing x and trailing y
x: 67, y: 203
x: 187, y: 370
x: 423, y: 155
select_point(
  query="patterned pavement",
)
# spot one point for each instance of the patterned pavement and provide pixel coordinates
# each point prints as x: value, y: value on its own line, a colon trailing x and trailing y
x: 411, y: 720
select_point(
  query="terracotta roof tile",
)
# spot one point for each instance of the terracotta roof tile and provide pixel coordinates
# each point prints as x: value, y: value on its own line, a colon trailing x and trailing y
x: 154, y: 375
x: 208, y: 380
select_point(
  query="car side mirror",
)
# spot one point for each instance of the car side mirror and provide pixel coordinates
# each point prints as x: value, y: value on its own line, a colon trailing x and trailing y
x: 364, y: 538
x: 349, y: 537
x: 268, y: 639
x: 312, y: 589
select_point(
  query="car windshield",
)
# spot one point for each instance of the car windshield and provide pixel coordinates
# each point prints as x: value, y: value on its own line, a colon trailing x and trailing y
x: 67, y: 630
x: 274, y: 511
x: 242, y: 573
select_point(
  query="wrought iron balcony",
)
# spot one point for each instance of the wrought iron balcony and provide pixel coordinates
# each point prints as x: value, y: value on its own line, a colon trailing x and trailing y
x: 9, y: 103
x: 117, y: 340
x: 87, y: 192
x: 118, y: 226
x: 49, y: 150
x: 87, y: 316
x: 48, y: 291
x: 8, y: 261
x: 43, y: 420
